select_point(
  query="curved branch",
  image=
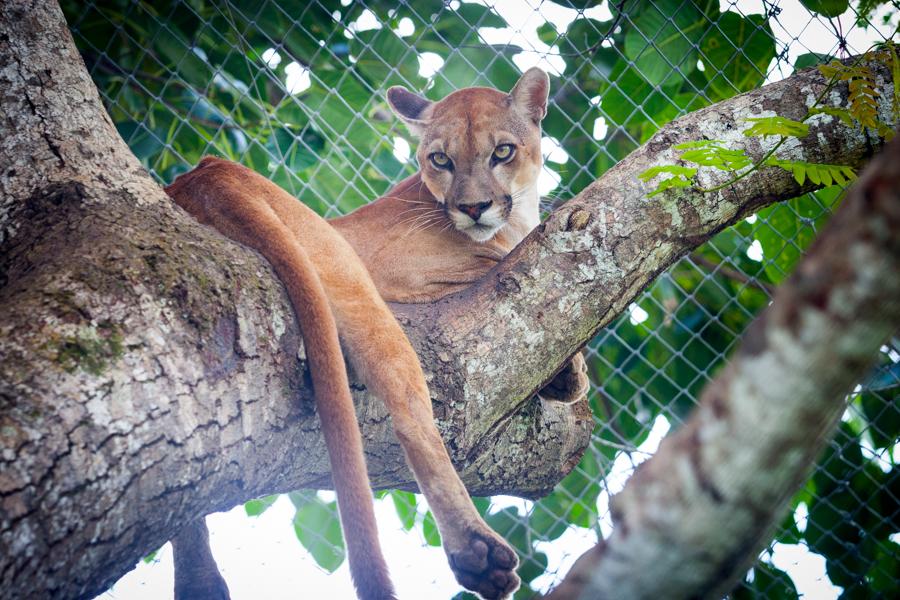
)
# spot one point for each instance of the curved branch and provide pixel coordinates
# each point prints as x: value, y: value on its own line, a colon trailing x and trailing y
x: 585, y: 264
x: 147, y: 365
x: 694, y: 517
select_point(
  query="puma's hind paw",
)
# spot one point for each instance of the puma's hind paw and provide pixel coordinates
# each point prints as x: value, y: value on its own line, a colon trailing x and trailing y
x: 570, y: 385
x: 486, y: 566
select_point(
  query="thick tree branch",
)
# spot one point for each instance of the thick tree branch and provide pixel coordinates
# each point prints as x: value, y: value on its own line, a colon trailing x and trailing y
x: 147, y: 365
x: 694, y: 517
x: 586, y: 263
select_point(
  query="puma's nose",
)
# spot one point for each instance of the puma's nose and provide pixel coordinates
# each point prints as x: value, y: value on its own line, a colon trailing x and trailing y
x: 475, y: 210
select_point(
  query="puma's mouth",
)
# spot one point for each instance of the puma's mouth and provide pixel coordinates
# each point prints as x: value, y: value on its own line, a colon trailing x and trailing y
x: 481, y: 232
x: 482, y: 227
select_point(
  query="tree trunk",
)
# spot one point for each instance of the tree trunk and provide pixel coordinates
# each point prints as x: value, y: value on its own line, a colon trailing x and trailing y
x: 692, y: 519
x: 151, y: 371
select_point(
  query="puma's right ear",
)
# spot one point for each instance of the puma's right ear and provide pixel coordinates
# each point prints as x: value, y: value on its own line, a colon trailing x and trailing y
x: 530, y: 94
x: 411, y: 108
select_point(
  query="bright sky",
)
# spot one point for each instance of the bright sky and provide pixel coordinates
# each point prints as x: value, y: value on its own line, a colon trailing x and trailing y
x: 260, y: 557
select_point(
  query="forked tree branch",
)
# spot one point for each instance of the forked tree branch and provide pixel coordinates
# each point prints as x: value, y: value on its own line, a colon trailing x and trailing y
x: 148, y: 370
x: 693, y: 518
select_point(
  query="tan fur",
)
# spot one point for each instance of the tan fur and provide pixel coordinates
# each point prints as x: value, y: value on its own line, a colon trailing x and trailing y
x: 416, y: 247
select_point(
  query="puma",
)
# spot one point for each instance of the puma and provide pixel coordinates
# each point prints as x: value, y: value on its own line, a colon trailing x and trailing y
x: 435, y: 233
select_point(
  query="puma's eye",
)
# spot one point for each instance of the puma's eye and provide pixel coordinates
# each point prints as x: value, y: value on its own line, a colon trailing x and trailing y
x: 503, y: 152
x: 440, y: 160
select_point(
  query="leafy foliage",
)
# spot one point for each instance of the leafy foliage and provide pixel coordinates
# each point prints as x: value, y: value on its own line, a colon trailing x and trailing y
x: 681, y: 177
x: 863, y: 93
x: 711, y: 153
x: 817, y: 173
x: 827, y: 8
x: 318, y: 529
x: 256, y: 507
x: 776, y: 126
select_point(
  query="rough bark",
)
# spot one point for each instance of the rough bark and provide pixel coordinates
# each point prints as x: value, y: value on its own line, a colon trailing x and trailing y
x: 694, y: 517
x: 149, y: 370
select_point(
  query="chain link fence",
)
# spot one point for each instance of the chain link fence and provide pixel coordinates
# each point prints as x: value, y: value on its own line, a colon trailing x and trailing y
x: 295, y: 90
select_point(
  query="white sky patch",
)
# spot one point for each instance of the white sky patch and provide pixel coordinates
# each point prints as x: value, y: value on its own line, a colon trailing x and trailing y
x: 562, y: 554
x: 881, y: 458
x: 271, y: 58
x: 297, y: 78
x: 366, y: 21
x: 260, y: 557
x: 552, y: 151
x: 601, y: 128
x: 402, y: 151
x: 806, y: 570
x: 405, y: 27
x: 429, y: 63
x: 801, y: 516
x: 755, y: 251
x: 548, y: 180
x: 524, y: 19
x: 751, y: 219
x: 813, y: 33
x: 637, y: 314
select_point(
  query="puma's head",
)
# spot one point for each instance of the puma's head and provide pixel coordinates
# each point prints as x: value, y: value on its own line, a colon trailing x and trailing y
x: 480, y: 151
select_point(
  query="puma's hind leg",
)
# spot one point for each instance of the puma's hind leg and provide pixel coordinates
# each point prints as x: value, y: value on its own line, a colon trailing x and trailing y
x: 480, y: 559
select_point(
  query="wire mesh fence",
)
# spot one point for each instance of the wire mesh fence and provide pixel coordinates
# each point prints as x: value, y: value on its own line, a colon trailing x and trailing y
x: 295, y: 90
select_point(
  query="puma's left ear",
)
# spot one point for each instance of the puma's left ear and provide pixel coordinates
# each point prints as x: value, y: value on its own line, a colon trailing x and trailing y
x: 414, y: 110
x: 530, y: 94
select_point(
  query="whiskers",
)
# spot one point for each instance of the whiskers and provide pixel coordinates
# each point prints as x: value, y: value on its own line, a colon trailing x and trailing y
x: 419, y: 218
x: 548, y: 204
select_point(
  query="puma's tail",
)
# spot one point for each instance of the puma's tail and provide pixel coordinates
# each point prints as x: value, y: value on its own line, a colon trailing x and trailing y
x: 220, y: 200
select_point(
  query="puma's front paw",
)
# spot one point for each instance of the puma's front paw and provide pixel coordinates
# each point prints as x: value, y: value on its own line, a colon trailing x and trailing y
x: 570, y: 385
x: 485, y: 564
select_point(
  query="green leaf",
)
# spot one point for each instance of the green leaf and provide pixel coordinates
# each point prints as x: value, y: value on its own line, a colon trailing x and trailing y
x: 827, y: 8
x: 513, y: 528
x: 819, y: 174
x: 786, y: 230
x: 668, y: 184
x: 811, y: 59
x: 383, y: 58
x: 150, y: 558
x: 430, y: 530
x: 405, y: 504
x: 736, y: 53
x: 673, y: 169
x: 490, y: 66
x: 679, y: 179
x: 317, y: 527
x: 882, y: 411
x: 254, y: 508
x: 533, y: 566
x: 776, y: 126
x: 663, y: 40
x: 453, y: 28
x: 841, y: 113
x: 884, y: 575
x: 301, y: 498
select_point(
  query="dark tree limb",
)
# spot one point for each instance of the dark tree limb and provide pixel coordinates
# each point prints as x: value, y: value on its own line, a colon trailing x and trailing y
x: 148, y: 370
x: 693, y: 518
